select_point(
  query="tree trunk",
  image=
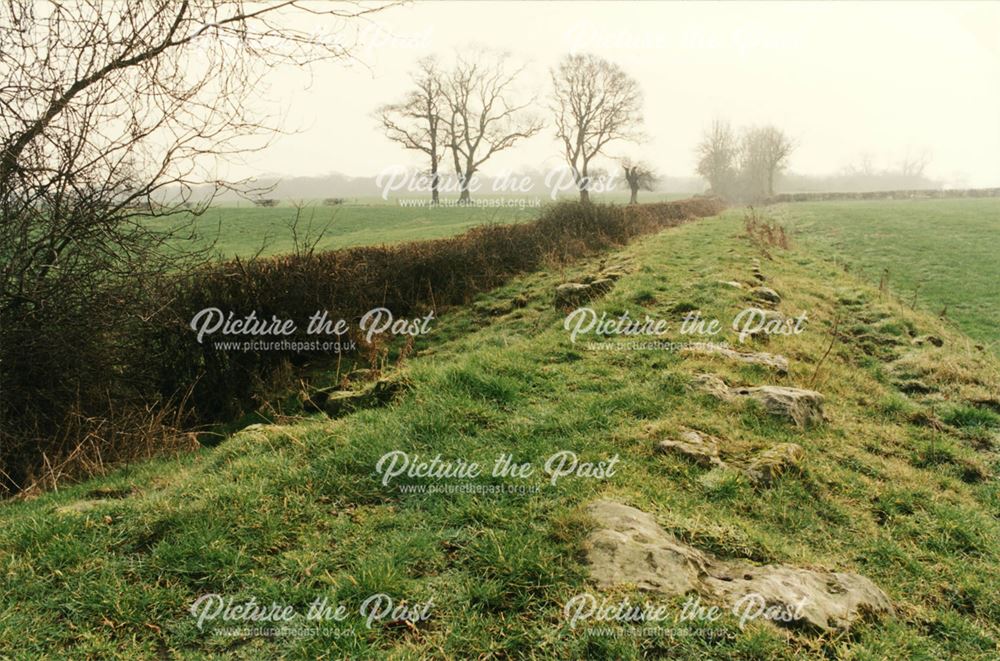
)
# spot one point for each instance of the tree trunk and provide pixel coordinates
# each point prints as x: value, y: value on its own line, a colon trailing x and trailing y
x: 465, y: 179
x: 635, y: 195
x: 582, y: 182
x: 435, y: 182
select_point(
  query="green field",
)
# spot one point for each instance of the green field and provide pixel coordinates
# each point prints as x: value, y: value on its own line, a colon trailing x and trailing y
x: 292, y: 512
x: 245, y: 229
x: 943, y: 254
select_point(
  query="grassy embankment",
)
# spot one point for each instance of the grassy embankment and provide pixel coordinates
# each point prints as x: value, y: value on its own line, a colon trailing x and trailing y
x: 289, y: 513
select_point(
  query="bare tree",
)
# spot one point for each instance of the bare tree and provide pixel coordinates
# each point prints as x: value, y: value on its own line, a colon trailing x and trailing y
x: 763, y: 155
x: 416, y: 122
x: 638, y: 176
x: 482, y: 115
x: 595, y: 102
x: 111, y: 113
x: 913, y: 166
x: 865, y: 166
x: 717, y: 158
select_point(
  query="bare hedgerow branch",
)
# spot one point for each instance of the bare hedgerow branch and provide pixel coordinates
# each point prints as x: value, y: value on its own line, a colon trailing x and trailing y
x: 128, y: 108
x: 112, y: 117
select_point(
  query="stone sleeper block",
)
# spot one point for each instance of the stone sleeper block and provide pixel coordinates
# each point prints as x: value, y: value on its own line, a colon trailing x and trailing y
x: 629, y: 547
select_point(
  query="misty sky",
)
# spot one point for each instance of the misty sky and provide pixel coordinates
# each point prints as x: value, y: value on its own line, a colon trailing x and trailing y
x: 843, y: 79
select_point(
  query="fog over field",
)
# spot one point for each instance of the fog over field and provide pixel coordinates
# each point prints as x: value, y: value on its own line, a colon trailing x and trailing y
x: 846, y: 80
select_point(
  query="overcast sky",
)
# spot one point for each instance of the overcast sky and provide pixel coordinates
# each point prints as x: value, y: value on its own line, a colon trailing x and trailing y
x: 843, y: 79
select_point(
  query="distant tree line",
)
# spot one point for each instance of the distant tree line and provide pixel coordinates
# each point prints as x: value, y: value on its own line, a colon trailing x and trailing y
x: 469, y: 112
x: 908, y: 173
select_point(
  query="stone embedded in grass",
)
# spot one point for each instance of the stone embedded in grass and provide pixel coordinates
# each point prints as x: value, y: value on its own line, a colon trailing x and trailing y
x: 804, y: 407
x: 718, y: 477
x: 336, y: 403
x: 828, y: 601
x: 765, y: 294
x: 774, y: 361
x: 574, y: 294
x: 571, y: 294
x: 731, y: 283
x: 712, y: 385
x: 701, y: 448
x: 774, y: 462
x: 629, y: 547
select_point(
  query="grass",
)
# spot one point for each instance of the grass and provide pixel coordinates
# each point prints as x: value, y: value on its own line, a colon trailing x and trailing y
x: 940, y: 253
x: 243, y: 229
x: 288, y: 513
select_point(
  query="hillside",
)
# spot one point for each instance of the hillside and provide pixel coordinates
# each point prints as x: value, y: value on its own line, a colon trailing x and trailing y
x: 895, y: 481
